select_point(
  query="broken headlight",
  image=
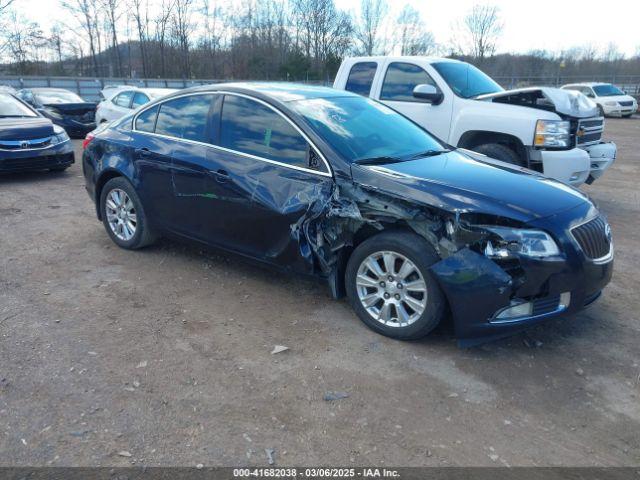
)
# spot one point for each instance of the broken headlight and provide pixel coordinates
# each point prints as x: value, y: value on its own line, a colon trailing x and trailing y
x: 552, y: 133
x: 509, y: 242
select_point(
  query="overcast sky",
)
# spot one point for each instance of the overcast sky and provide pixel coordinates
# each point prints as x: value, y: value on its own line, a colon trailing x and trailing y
x: 553, y: 25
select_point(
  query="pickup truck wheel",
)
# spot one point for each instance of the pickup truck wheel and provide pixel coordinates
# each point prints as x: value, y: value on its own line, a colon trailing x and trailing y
x: 499, y: 152
x: 390, y: 287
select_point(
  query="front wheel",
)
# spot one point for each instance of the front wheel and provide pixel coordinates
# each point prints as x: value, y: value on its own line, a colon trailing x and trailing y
x: 390, y: 287
x: 499, y: 152
x: 123, y: 215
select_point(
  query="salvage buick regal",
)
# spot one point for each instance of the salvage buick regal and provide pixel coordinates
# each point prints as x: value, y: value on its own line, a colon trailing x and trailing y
x: 328, y: 183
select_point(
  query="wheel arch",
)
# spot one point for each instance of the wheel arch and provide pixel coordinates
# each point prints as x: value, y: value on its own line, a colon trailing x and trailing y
x: 101, y: 181
x: 474, y: 138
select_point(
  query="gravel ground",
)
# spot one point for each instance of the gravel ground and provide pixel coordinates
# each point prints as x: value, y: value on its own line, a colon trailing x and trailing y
x: 163, y: 356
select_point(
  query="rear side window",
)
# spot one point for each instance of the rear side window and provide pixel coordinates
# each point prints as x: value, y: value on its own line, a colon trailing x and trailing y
x: 401, y: 79
x: 253, y: 128
x: 185, y: 117
x: 123, y: 99
x: 146, y: 121
x: 139, y: 99
x: 361, y: 77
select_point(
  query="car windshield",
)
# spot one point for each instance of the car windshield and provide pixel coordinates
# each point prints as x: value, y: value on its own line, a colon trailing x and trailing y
x: 57, y: 96
x: 361, y: 129
x: 465, y: 80
x: 607, y: 90
x: 10, y: 107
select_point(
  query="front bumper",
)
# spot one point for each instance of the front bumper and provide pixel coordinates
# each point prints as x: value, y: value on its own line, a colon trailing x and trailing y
x: 477, y: 288
x: 569, y: 166
x: 58, y: 156
x: 618, y: 110
x: 602, y: 155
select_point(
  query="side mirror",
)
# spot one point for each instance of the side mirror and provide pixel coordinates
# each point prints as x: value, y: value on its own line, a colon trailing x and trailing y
x: 428, y: 93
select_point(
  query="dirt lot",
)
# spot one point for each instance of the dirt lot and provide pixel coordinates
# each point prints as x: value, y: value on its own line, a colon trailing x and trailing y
x: 165, y: 354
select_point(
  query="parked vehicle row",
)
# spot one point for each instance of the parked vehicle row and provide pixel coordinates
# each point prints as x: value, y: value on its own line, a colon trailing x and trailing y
x: 553, y: 131
x: 29, y: 141
x: 333, y: 184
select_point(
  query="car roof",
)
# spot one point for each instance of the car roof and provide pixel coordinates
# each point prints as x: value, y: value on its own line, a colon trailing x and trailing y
x: 403, y: 58
x: 586, y: 84
x: 50, y: 89
x: 279, y: 91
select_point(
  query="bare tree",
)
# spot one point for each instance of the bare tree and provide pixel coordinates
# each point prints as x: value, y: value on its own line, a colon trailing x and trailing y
x: 139, y: 10
x: 113, y: 13
x: 86, y: 13
x: 24, y: 40
x: 369, y: 22
x: 481, y: 31
x: 412, y: 35
x: 162, y: 24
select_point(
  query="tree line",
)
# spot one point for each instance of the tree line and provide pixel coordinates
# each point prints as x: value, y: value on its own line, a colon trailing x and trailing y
x: 259, y: 39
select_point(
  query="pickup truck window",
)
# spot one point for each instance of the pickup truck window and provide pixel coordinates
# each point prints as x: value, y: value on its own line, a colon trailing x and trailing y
x: 401, y: 79
x: 465, y: 80
x: 361, y: 77
x: 360, y: 128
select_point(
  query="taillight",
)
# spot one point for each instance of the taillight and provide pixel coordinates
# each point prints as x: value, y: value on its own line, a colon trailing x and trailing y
x: 87, y: 141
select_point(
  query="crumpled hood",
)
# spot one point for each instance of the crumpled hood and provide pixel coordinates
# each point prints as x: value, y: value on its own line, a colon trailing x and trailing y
x: 456, y: 182
x: 567, y: 102
x: 27, y: 128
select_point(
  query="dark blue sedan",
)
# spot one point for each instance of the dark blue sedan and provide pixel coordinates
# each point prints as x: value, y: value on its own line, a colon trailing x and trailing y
x: 328, y: 183
x: 29, y: 141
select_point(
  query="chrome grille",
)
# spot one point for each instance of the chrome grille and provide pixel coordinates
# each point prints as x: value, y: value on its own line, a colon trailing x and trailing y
x: 589, y: 131
x: 25, y: 144
x: 594, y: 238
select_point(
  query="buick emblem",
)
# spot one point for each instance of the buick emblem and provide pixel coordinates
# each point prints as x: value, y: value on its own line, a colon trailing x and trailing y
x: 24, y: 144
x: 607, y: 232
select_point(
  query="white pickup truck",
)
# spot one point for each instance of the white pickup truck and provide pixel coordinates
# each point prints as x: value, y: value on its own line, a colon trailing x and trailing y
x: 556, y: 132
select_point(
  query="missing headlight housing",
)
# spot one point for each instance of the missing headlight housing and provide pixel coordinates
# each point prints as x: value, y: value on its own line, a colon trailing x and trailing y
x: 511, y: 242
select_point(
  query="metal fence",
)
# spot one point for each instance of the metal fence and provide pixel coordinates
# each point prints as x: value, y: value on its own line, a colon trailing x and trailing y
x: 89, y: 88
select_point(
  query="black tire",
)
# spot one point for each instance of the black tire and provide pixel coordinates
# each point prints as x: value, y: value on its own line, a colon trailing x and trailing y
x: 500, y: 152
x: 601, y: 111
x: 422, y: 255
x: 58, y: 169
x: 628, y: 115
x: 143, y: 235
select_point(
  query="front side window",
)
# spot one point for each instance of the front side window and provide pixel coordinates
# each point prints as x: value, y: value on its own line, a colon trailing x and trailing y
x: 123, y: 99
x: 10, y: 107
x: 465, y: 80
x: 185, y: 117
x: 146, y: 121
x: 250, y: 127
x: 361, y: 77
x: 139, y: 99
x: 360, y: 128
x: 401, y: 79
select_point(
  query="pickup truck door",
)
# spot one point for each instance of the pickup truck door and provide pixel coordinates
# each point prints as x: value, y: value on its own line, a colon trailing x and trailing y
x: 394, y: 87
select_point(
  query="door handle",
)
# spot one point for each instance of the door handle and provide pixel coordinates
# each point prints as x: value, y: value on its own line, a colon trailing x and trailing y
x: 221, y: 176
x: 143, y: 152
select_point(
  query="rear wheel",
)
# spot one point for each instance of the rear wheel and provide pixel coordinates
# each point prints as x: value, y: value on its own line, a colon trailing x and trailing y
x: 123, y: 215
x: 390, y: 287
x: 500, y: 152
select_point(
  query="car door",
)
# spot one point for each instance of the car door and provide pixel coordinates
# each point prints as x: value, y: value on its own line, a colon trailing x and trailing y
x: 200, y: 193
x: 275, y: 177
x: 152, y: 163
x: 396, y: 91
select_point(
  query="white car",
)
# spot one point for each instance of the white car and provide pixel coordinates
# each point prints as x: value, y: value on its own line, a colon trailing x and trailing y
x: 553, y: 131
x: 610, y: 99
x: 121, y: 100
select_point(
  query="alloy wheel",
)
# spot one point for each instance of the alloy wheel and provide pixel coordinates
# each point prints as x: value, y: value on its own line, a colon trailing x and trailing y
x: 121, y: 214
x: 391, y: 289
